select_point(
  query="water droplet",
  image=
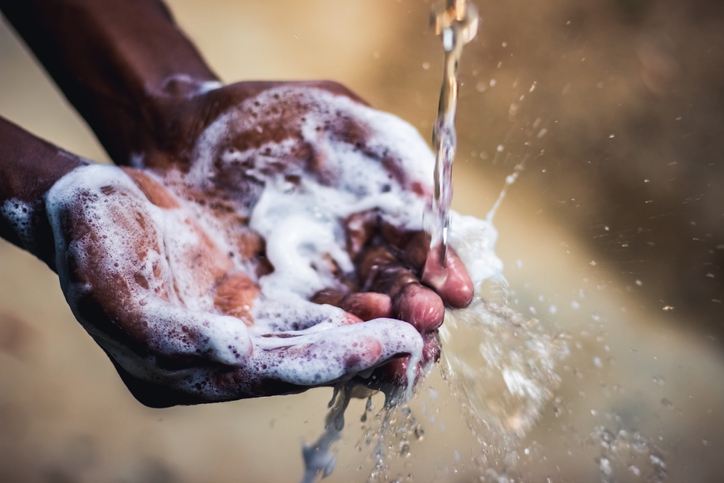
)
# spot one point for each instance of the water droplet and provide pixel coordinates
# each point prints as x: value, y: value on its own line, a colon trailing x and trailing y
x: 604, y: 464
x: 657, y: 461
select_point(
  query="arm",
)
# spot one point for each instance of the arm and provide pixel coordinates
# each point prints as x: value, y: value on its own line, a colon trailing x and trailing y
x: 123, y: 64
x: 28, y: 169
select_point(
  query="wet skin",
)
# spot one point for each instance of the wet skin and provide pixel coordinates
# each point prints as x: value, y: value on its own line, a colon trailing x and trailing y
x: 156, y: 119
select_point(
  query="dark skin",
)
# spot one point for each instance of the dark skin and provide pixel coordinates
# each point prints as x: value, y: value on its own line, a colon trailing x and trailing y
x: 144, y: 90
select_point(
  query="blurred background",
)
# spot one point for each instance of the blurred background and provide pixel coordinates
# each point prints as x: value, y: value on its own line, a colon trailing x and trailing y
x: 613, y: 235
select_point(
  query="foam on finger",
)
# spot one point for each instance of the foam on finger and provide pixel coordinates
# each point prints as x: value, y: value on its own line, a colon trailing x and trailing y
x: 294, y: 189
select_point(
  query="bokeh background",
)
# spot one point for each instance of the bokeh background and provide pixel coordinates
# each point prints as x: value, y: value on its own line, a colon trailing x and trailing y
x: 612, y: 110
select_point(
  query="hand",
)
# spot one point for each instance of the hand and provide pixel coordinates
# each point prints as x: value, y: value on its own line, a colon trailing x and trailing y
x: 194, y: 270
x: 197, y: 268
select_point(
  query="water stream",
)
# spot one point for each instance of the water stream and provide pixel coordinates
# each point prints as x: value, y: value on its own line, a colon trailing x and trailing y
x: 457, y: 22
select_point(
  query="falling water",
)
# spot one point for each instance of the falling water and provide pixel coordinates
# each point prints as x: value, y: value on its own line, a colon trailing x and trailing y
x: 498, y: 363
x: 457, y: 21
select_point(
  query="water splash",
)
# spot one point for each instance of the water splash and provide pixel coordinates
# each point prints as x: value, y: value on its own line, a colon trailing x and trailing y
x: 501, y: 367
x: 627, y: 455
x: 319, y: 457
x: 509, y: 180
x: 390, y: 437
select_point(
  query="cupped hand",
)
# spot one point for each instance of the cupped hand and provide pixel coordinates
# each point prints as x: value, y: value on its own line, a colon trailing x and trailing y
x: 269, y: 240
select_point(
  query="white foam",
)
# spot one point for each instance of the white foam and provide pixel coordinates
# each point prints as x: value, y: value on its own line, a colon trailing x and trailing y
x: 474, y: 241
x: 19, y: 214
x: 361, y: 175
x: 301, y: 222
x: 298, y: 233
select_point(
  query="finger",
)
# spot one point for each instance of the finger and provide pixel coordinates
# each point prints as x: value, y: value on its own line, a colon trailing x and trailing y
x: 395, y: 371
x: 320, y: 358
x: 223, y: 361
x: 455, y: 288
x: 365, y: 305
x: 368, y: 305
x: 420, y: 306
x: 382, y: 272
x: 328, y: 296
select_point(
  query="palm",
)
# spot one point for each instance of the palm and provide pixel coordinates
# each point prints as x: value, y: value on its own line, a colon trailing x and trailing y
x: 198, y: 271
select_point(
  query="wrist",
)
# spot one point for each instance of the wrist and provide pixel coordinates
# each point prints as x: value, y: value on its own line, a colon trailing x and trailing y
x: 29, y: 167
x: 121, y: 63
x: 170, y: 116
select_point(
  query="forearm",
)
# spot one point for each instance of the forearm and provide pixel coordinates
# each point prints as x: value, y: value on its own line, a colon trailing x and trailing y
x: 29, y: 167
x: 122, y: 63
